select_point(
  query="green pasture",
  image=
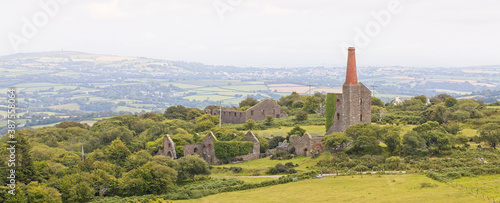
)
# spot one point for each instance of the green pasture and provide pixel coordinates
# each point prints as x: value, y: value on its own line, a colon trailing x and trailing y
x: 359, y: 188
x: 487, y: 184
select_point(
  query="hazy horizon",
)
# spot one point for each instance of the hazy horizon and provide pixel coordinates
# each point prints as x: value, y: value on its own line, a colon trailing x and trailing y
x: 261, y: 33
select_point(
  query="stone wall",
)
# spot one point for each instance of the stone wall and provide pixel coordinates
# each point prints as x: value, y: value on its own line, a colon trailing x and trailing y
x: 353, y: 107
x: 168, y: 148
x: 305, y: 145
x: 256, y: 113
x: 206, y: 149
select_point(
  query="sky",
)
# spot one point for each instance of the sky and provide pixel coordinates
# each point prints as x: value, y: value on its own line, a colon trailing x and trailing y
x: 261, y: 33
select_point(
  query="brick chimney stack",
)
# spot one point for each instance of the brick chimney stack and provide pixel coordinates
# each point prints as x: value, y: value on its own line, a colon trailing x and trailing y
x: 350, y: 77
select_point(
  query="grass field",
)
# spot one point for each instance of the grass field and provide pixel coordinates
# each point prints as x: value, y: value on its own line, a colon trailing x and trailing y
x: 130, y: 109
x: 70, y: 106
x: 487, y: 185
x: 366, y: 188
x: 314, y: 130
x: 493, y: 107
x: 260, y: 165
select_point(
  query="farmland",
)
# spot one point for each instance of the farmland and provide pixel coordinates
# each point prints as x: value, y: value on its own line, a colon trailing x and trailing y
x: 366, y: 188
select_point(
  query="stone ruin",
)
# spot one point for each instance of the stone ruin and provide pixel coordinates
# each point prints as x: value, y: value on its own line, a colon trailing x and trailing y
x: 168, y: 148
x: 257, y: 113
x: 207, y: 152
x: 304, y: 145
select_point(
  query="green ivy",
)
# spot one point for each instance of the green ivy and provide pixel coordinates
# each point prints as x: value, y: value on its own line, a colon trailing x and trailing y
x: 230, y: 149
x: 331, y: 105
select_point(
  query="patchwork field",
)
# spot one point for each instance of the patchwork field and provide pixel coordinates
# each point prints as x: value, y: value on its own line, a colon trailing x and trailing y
x: 366, y: 188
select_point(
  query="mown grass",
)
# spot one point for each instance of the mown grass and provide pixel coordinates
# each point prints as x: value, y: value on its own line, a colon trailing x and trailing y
x: 366, y: 188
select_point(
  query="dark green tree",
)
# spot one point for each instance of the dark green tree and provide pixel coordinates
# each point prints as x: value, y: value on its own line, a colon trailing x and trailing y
x: 311, y: 104
x: 176, y: 112
x: 490, y: 133
x: 377, y: 102
x: 296, y: 131
x: 249, y: 101
x: 190, y: 166
x: 300, y: 116
x: 336, y: 141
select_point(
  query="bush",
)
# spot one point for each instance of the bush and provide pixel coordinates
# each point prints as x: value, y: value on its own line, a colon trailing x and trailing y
x: 280, y: 168
x: 281, y: 155
x: 235, y: 169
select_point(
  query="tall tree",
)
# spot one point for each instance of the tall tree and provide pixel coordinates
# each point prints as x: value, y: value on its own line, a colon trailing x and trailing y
x: 490, y: 133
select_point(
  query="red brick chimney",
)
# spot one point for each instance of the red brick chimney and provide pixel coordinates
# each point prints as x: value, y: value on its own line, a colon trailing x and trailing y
x: 350, y: 76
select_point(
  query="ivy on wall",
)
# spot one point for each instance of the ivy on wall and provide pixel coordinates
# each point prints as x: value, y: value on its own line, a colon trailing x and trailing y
x: 230, y: 149
x: 331, y: 105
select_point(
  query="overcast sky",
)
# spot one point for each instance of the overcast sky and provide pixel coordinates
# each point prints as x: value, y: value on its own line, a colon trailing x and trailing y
x: 263, y: 33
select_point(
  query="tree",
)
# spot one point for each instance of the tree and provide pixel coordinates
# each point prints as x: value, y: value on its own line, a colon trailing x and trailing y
x: 117, y: 152
x: 273, y: 143
x: 392, y: 140
x: 365, y: 137
x: 490, y: 133
x: 336, y: 141
x: 412, y: 143
x: 25, y: 168
x: 250, y: 124
x: 300, y: 116
x: 422, y: 98
x: 81, y: 192
x: 269, y: 120
x: 249, y: 101
x: 331, y: 105
x: 68, y: 124
x: 311, y: 104
x: 288, y: 100
x: 296, y: 131
x: 450, y: 102
x: 42, y: 193
x: 264, y: 144
x: 190, y: 166
x: 176, y: 112
x: 205, y: 122
x: 151, y: 178
x: 377, y: 102
x: 193, y: 113
x: 463, y: 140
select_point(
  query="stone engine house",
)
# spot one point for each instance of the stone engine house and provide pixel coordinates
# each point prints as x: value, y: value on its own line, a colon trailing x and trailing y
x: 354, y: 104
x: 256, y: 113
x: 207, y: 152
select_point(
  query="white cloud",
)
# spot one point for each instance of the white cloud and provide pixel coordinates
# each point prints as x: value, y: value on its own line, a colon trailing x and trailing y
x: 105, y: 10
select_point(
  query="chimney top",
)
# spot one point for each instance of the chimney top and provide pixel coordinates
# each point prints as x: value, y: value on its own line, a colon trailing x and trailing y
x: 351, y: 77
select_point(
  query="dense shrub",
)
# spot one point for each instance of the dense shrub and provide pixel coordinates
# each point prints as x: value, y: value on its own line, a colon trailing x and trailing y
x: 281, y: 155
x: 280, y: 168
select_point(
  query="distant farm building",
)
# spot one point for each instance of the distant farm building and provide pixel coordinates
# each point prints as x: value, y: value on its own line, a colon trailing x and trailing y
x: 257, y: 113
